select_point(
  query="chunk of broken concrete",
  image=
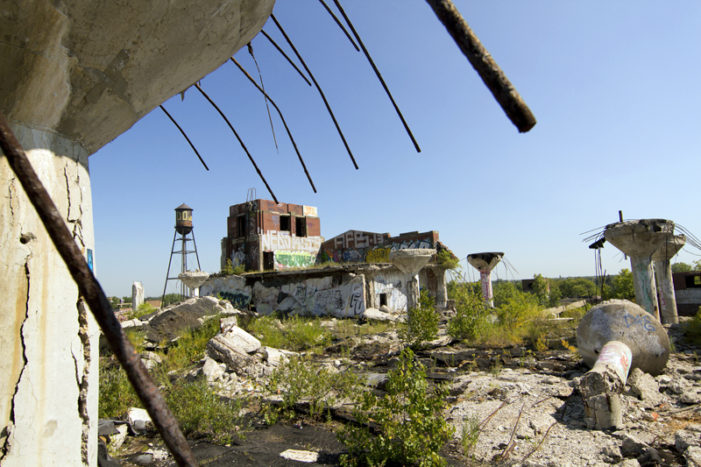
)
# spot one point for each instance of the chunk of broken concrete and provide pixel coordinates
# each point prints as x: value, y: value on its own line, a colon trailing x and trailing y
x: 224, y: 350
x: 239, y: 338
x: 377, y: 315
x: 644, y: 387
x: 139, y: 420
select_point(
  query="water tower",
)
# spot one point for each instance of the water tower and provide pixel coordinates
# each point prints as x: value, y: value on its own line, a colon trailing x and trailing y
x: 183, y: 234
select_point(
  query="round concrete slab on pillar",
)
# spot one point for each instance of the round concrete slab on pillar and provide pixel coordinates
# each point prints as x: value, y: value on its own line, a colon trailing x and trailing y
x: 411, y: 260
x: 624, y: 321
x: 485, y: 261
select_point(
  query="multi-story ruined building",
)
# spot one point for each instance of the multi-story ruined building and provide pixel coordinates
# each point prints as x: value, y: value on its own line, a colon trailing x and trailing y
x: 263, y: 235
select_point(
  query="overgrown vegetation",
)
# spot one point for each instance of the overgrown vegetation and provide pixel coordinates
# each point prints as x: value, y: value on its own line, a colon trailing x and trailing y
x: 693, y: 328
x: 189, y: 348
x: 300, y: 380
x: 203, y: 414
x: 295, y: 333
x: 446, y: 259
x: 230, y: 269
x: 422, y: 321
x: 411, y: 426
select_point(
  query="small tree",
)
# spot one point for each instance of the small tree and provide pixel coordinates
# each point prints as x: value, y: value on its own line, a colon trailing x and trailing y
x: 422, y: 321
x: 681, y: 267
x: 411, y: 425
x: 623, y: 285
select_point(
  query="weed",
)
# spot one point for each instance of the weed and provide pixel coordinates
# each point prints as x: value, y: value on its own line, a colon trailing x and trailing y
x: 116, y: 394
x: 471, y: 317
x: 300, y: 380
x: 190, y: 346
x: 410, y: 421
x: 693, y: 328
x: 294, y: 333
x: 422, y: 321
x: 470, y: 434
x: 569, y: 346
x: 202, y: 413
x: 143, y: 310
x: 541, y: 344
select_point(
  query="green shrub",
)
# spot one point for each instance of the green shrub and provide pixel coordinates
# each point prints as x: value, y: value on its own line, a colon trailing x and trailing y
x: 446, y: 259
x: 422, y: 321
x: 471, y: 318
x: 230, y: 269
x: 300, y: 380
x: 470, y: 434
x: 409, y: 419
x: 202, y: 413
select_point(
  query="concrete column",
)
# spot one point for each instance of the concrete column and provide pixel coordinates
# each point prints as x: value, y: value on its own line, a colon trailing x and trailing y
x: 662, y: 262
x: 485, y: 263
x: 73, y: 76
x: 640, y: 239
x: 48, y: 339
x: 441, y: 288
x: 410, y: 261
x: 137, y: 295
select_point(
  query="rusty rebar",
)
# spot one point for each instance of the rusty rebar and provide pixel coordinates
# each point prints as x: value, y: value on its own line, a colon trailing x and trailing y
x: 318, y: 88
x: 284, y: 122
x: 184, y: 134
x: 378, y: 74
x: 495, y: 79
x: 95, y: 297
x: 282, y: 52
x: 265, y: 97
x: 250, y: 157
x: 340, y: 25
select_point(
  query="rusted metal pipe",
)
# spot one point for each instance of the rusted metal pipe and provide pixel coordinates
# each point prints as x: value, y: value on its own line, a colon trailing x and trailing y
x: 95, y: 297
x: 284, y: 123
x: 378, y: 74
x: 495, y: 79
x: 236, y: 134
x: 184, y: 134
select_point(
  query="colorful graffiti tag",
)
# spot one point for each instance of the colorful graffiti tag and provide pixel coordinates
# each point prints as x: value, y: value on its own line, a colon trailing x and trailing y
x: 293, y: 259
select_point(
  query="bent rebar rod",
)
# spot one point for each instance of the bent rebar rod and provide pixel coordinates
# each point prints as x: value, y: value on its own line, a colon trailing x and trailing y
x: 284, y: 123
x: 184, y: 134
x: 95, y: 297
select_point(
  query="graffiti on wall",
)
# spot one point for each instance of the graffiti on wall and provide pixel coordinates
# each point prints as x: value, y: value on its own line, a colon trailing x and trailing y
x: 410, y: 244
x: 293, y: 259
x: 356, y: 303
x: 238, y: 257
x: 378, y: 255
x: 237, y: 299
x: 273, y: 241
x: 394, y: 290
x: 327, y: 302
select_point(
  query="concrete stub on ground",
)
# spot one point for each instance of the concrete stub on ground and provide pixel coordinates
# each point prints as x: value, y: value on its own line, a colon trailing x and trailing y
x: 73, y: 76
x: 137, y: 295
x: 193, y: 280
x: 662, y: 262
x: 640, y: 239
x: 410, y: 261
x: 612, y: 338
x: 484, y: 263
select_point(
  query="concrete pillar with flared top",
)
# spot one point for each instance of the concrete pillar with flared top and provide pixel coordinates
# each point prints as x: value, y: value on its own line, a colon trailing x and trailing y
x: 640, y: 239
x: 662, y: 262
x: 73, y: 76
x: 410, y: 261
x: 193, y: 280
x: 484, y: 263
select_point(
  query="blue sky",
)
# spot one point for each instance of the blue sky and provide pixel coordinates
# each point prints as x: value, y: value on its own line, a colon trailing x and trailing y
x: 614, y: 86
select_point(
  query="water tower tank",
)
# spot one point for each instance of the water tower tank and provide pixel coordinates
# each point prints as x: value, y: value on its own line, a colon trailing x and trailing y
x: 183, y: 219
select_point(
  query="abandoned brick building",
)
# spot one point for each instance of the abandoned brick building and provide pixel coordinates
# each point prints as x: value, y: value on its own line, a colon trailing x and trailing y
x: 270, y: 237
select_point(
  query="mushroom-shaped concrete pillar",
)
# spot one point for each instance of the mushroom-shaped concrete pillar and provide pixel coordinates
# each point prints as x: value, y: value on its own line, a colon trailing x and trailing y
x: 612, y: 338
x: 484, y: 263
x: 410, y: 261
x: 640, y: 239
x: 663, y: 277
x: 193, y: 280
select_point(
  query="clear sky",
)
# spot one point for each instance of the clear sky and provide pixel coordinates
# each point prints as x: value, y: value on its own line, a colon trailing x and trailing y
x: 614, y: 86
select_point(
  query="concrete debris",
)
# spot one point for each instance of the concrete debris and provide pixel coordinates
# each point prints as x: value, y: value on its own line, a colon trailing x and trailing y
x: 300, y: 456
x: 139, y: 420
x: 644, y: 387
x: 137, y: 295
x: 150, y: 359
x: 169, y: 323
x: 377, y: 315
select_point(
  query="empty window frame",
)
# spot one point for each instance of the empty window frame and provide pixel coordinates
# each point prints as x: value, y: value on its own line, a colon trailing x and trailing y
x: 301, y: 226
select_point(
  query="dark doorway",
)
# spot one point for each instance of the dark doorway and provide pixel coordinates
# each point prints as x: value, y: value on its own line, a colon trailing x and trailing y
x: 285, y: 223
x: 241, y: 226
x: 300, y: 226
x: 383, y: 299
x: 268, y: 260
